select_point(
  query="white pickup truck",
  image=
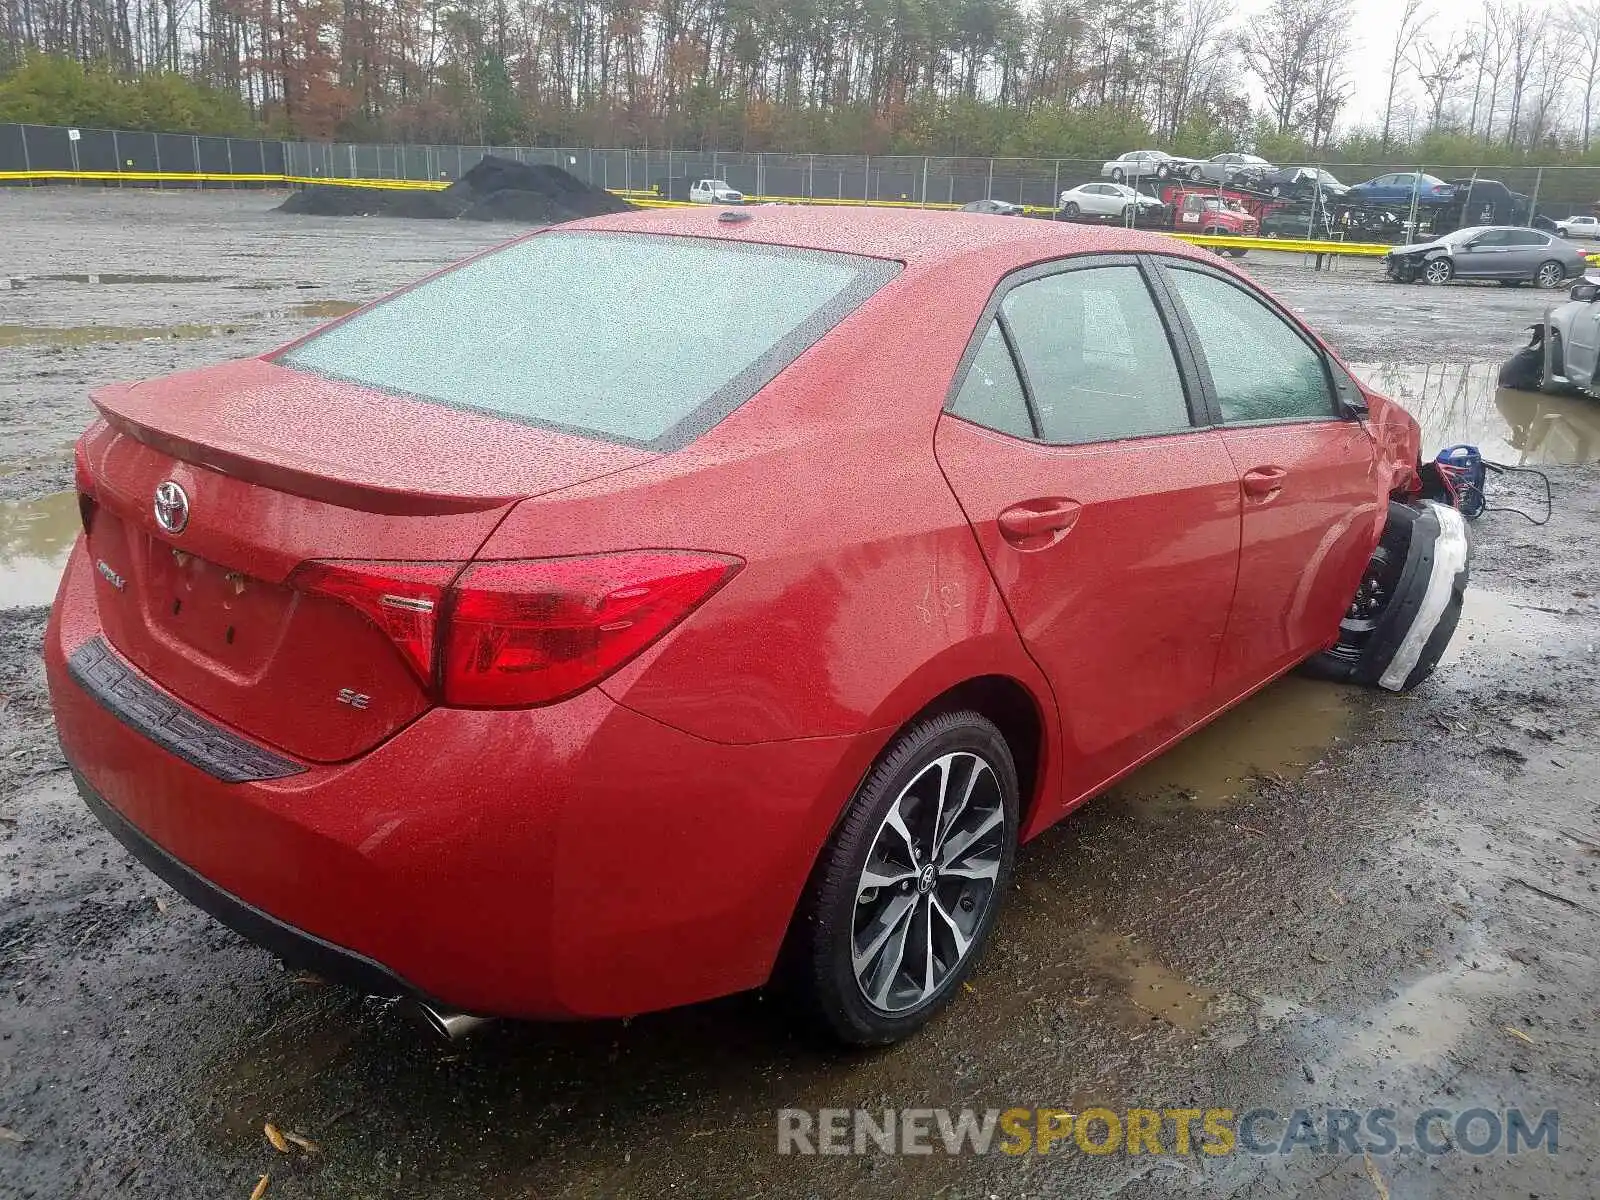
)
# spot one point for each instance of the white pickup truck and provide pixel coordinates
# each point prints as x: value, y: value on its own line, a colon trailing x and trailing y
x: 714, y: 191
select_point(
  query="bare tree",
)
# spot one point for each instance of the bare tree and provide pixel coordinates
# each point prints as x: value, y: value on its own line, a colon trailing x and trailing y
x: 1330, y: 86
x: 1412, y: 18
x: 1278, y: 46
x: 1525, y: 37
x: 1196, y: 57
x: 1488, y: 39
x: 1583, y: 23
x: 1547, y: 91
x: 1439, y: 67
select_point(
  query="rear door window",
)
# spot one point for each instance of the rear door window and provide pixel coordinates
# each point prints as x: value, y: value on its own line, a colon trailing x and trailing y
x: 991, y: 395
x: 1096, y: 356
x: 633, y: 338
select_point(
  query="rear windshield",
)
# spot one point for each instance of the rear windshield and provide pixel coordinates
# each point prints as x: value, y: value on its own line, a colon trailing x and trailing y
x: 633, y: 338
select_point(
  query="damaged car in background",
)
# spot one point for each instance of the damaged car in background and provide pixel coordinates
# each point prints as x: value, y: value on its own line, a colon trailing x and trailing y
x: 606, y: 650
x: 1510, y: 254
x: 1563, y: 351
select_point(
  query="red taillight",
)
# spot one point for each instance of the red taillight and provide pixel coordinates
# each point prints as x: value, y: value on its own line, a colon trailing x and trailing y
x: 83, y: 482
x: 403, y: 599
x: 514, y: 634
x: 537, y: 630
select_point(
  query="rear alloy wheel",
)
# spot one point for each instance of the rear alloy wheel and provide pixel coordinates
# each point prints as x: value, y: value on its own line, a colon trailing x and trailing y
x: 906, y: 894
x: 1438, y: 270
x: 1069, y: 209
x: 1550, y: 275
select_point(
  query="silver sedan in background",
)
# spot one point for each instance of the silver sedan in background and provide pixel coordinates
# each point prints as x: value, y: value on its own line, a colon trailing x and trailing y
x: 1510, y: 254
x: 1221, y: 168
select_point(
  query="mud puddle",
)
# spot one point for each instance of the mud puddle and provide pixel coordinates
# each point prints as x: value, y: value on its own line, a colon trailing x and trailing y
x: 83, y: 335
x: 1461, y: 402
x: 21, y: 281
x: 35, y: 538
x: 313, y: 308
x: 1276, y: 736
x: 1152, y: 988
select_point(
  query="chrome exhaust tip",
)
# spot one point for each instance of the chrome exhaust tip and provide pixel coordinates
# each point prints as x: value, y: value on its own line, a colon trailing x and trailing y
x: 452, y: 1026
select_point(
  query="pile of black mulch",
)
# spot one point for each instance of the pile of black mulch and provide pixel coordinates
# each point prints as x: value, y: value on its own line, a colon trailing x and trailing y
x: 496, y: 189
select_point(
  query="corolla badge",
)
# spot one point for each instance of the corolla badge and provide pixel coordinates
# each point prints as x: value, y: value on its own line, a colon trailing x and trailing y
x: 171, y: 507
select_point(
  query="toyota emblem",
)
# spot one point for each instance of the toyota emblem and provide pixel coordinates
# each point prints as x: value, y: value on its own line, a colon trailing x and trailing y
x: 172, y: 507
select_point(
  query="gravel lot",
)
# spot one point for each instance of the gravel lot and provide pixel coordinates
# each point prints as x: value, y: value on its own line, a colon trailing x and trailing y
x: 1328, y: 898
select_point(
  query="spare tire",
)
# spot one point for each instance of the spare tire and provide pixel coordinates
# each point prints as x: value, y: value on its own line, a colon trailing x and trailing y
x: 1407, y: 605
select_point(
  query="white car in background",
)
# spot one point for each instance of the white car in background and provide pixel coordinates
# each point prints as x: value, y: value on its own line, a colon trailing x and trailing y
x: 1580, y: 225
x: 1144, y: 164
x: 1104, y: 200
x: 714, y: 191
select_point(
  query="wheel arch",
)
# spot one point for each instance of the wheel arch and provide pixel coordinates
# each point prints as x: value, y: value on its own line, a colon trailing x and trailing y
x: 1026, y: 719
x: 1022, y: 708
x: 1016, y: 713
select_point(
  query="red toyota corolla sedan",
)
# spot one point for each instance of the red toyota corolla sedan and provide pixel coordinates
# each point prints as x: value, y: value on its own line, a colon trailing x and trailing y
x: 602, y: 622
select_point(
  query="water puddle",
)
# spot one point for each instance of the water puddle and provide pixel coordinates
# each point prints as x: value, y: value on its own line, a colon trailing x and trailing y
x: 20, y: 281
x: 1491, y: 621
x: 1148, y: 984
x: 315, y: 308
x: 1275, y: 735
x: 1461, y: 402
x: 35, y: 538
x: 83, y: 335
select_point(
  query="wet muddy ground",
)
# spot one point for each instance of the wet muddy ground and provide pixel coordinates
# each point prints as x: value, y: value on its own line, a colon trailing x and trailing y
x: 1329, y: 898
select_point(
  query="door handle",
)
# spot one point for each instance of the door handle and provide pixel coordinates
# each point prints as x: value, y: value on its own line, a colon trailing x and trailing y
x: 1035, y: 524
x: 1263, y: 481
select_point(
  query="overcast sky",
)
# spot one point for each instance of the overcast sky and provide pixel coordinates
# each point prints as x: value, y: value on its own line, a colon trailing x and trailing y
x: 1373, y: 35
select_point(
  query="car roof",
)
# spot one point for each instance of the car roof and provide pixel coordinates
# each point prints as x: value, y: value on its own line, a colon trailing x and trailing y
x: 919, y: 238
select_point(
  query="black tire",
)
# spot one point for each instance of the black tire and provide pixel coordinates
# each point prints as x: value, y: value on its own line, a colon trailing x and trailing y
x: 1383, y: 605
x: 1549, y: 276
x: 823, y: 941
x: 1437, y: 271
x: 1070, y: 209
x: 1163, y: 171
x: 1196, y: 174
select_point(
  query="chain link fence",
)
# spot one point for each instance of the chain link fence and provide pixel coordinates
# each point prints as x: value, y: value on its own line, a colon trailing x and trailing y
x: 1501, y: 195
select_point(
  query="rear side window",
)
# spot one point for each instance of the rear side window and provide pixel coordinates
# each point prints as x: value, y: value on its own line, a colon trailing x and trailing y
x: 1096, y: 356
x: 1261, y: 368
x: 991, y: 395
x: 632, y: 338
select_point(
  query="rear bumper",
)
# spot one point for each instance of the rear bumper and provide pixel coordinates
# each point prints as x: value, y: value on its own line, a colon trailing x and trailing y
x: 571, y: 861
x: 294, y: 946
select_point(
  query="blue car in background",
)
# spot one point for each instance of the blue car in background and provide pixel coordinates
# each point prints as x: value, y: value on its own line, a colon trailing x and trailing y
x: 1399, y: 187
